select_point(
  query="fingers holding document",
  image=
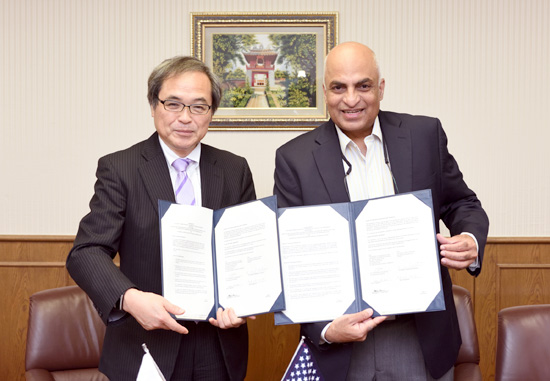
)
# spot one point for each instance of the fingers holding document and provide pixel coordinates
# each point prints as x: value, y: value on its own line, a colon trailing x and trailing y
x: 227, y: 319
x: 353, y: 327
x: 153, y: 311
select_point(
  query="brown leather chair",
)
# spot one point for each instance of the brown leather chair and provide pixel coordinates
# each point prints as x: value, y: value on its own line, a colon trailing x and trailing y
x: 64, y: 338
x: 523, y: 343
x: 467, y: 364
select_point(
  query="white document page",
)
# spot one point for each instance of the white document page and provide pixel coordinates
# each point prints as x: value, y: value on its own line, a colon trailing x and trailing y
x: 247, y: 256
x: 316, y: 262
x: 187, y: 268
x: 397, y: 254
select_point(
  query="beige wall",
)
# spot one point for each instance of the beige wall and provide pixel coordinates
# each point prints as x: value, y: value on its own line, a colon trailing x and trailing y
x: 73, y: 87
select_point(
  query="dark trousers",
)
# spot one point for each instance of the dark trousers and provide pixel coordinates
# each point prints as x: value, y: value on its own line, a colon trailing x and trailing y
x: 200, y: 355
x: 391, y: 352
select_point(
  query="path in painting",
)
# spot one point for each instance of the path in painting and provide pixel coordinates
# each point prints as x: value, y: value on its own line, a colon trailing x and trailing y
x: 258, y: 99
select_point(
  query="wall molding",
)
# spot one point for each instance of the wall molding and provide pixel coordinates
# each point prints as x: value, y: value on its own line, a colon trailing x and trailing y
x: 515, y: 240
x: 32, y: 264
x: 37, y: 238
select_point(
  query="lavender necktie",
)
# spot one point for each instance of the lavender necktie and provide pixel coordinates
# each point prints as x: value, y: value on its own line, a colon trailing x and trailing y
x: 184, y: 189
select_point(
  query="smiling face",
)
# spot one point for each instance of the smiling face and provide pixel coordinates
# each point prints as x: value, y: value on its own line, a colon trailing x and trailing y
x: 353, y: 89
x: 182, y: 131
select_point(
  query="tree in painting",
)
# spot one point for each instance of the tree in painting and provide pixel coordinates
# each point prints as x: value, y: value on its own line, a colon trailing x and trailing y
x: 227, y: 49
x: 299, y: 52
x: 226, y: 54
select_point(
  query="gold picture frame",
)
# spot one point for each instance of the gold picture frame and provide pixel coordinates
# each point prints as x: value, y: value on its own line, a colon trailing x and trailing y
x: 270, y: 65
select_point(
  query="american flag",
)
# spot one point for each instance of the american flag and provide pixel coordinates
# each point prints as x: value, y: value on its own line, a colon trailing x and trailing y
x: 302, y: 367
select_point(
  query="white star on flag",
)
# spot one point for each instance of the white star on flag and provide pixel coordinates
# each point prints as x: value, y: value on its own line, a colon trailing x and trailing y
x: 303, y: 366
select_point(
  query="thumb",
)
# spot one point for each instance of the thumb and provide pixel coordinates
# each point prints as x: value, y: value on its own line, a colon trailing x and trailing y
x: 365, y: 314
x: 442, y: 240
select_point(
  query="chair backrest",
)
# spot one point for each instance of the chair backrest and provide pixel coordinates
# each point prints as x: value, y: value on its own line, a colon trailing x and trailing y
x: 65, y: 332
x: 467, y: 363
x: 523, y: 343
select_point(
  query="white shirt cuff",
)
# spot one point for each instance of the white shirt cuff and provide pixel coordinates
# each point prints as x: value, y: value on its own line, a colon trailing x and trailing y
x: 322, y: 339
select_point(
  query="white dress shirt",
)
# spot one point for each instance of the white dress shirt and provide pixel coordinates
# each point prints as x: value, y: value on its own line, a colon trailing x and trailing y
x: 370, y: 175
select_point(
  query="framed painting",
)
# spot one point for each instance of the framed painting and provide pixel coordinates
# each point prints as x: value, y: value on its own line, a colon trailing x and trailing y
x: 270, y: 66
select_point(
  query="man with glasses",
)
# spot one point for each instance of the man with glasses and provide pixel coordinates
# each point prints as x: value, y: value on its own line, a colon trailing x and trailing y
x: 361, y: 153
x: 183, y: 95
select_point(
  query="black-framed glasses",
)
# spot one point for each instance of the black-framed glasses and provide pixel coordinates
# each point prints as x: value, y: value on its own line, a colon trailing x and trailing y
x: 175, y: 106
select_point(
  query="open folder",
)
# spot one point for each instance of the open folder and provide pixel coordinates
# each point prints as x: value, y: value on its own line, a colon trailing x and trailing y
x: 306, y: 264
x: 342, y: 258
x: 224, y: 258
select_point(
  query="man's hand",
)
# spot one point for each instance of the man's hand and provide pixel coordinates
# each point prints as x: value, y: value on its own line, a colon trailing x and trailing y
x: 152, y: 311
x: 352, y: 327
x: 458, y: 252
x: 227, y: 319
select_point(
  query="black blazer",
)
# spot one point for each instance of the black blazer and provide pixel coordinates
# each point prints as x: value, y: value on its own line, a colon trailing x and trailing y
x: 309, y: 171
x: 124, y: 219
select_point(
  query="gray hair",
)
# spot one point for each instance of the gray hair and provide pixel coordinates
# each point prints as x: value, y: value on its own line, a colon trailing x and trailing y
x: 179, y: 65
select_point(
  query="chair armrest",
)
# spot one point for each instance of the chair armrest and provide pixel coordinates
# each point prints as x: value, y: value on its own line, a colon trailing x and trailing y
x: 38, y: 375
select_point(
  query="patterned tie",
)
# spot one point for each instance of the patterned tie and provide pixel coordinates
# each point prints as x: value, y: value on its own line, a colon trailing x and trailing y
x: 184, y: 189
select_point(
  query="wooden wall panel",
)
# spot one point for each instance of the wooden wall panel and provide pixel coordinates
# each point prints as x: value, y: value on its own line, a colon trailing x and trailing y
x: 271, y: 348
x: 522, y: 284
x: 515, y: 271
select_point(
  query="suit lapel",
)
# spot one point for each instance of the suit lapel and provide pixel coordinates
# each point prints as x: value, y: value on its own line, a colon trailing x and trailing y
x: 156, y: 176
x: 328, y: 158
x: 154, y: 172
x: 398, y: 140
x: 211, y: 179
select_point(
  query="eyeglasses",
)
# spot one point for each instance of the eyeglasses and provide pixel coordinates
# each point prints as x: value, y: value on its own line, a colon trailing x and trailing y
x: 175, y: 106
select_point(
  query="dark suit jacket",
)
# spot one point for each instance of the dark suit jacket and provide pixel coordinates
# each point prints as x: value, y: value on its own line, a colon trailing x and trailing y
x: 124, y: 219
x: 309, y: 171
